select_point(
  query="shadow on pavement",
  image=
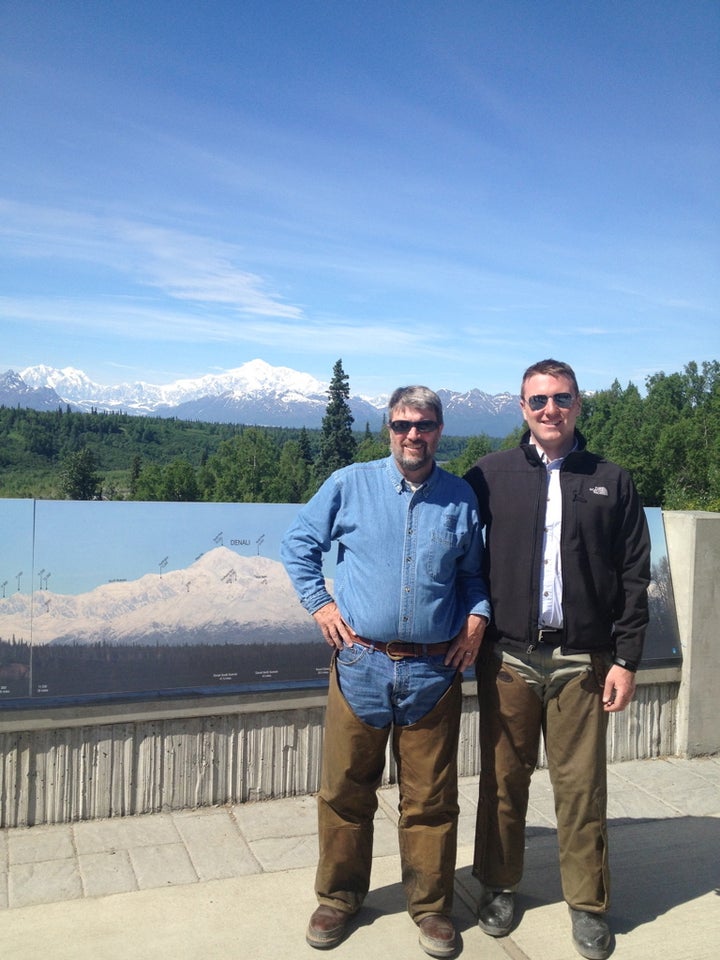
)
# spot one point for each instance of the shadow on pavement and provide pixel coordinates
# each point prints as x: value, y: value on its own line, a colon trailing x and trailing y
x: 655, y: 865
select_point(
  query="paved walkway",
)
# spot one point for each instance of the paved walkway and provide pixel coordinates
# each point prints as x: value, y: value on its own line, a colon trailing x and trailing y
x: 237, y: 881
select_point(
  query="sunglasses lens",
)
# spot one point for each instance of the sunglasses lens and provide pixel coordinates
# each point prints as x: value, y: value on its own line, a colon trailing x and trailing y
x: 405, y: 426
x: 540, y: 400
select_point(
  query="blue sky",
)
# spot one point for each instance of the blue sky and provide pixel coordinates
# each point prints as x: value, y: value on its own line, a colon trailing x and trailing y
x: 437, y: 192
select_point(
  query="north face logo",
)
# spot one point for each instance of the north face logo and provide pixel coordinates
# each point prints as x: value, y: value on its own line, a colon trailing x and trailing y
x: 600, y: 491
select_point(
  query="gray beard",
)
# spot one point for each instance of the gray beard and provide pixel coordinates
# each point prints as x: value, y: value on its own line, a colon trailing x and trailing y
x: 413, y: 464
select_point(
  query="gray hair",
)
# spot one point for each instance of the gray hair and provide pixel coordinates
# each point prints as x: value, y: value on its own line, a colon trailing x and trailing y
x: 417, y: 397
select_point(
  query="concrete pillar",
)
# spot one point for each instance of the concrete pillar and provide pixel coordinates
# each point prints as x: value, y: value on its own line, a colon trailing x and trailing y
x: 693, y: 540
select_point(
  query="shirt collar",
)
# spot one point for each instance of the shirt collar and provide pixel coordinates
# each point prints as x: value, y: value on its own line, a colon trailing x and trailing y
x: 558, y: 460
x: 399, y: 482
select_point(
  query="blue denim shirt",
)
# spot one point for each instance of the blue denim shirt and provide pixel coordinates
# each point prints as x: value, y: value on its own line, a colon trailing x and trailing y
x: 408, y: 564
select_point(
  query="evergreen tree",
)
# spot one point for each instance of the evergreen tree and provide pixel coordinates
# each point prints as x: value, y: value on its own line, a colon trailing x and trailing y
x: 373, y: 448
x: 305, y: 448
x: 149, y: 483
x: 477, y: 447
x: 242, y: 470
x: 337, y: 443
x: 291, y: 482
x: 513, y: 438
x: 78, y: 477
x: 135, y: 471
x: 670, y: 440
x: 179, y: 482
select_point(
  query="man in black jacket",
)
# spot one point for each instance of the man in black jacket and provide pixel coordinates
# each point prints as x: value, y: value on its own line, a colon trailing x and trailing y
x: 568, y: 563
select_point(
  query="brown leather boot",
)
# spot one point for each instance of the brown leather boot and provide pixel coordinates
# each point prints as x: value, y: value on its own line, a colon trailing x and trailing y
x: 437, y: 935
x: 327, y: 927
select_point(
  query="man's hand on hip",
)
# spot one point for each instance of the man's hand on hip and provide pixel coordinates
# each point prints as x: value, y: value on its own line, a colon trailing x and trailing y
x: 337, y: 633
x: 466, y: 645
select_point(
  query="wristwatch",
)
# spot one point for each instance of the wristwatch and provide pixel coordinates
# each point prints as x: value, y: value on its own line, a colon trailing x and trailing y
x: 627, y: 664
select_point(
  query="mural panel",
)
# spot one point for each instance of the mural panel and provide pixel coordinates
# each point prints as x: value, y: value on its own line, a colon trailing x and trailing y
x: 116, y: 600
x: 16, y: 586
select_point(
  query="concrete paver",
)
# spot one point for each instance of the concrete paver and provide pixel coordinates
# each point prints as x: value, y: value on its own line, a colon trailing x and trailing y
x: 215, y: 845
x: 290, y: 817
x: 106, y: 873
x: 162, y: 865
x: 279, y: 853
x: 43, y: 843
x: 237, y: 881
x: 92, y: 836
x: 46, y: 881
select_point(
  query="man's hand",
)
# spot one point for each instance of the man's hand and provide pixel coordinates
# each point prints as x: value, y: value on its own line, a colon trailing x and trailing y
x: 337, y: 633
x: 619, y: 689
x: 466, y: 645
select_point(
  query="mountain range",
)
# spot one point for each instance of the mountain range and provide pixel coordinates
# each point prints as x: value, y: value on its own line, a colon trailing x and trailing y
x: 255, y: 393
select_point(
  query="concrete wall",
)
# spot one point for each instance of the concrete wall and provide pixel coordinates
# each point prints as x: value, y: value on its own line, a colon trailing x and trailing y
x: 693, y: 540
x: 60, y: 766
x: 66, y: 764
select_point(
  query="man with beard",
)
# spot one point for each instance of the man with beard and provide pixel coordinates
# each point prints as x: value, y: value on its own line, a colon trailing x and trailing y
x: 409, y: 612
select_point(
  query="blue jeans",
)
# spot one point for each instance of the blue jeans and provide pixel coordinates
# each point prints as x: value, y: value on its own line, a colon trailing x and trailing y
x: 354, y: 756
x: 381, y: 691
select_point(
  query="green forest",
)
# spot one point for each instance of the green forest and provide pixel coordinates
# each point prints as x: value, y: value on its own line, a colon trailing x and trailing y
x: 668, y: 436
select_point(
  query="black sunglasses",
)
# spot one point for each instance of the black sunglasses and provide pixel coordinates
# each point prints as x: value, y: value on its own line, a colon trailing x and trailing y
x: 540, y: 400
x: 405, y: 426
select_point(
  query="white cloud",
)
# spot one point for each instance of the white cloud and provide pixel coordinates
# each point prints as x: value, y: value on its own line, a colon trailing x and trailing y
x: 198, y: 269
x: 182, y: 265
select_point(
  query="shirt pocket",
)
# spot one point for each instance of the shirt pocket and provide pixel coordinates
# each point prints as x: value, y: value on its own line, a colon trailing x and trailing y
x: 444, y: 549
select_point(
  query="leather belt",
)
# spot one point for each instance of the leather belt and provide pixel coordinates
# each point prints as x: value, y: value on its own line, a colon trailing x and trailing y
x: 399, y: 650
x: 551, y: 636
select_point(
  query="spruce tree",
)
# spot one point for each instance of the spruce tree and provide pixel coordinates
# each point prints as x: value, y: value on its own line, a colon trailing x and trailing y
x: 304, y: 447
x: 337, y: 443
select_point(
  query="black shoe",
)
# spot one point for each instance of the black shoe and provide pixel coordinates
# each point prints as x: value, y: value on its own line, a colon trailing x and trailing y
x: 495, y: 915
x: 591, y: 934
x: 327, y: 927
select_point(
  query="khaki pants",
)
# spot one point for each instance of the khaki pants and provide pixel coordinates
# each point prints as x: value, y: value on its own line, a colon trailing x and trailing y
x: 353, y: 762
x: 514, y: 711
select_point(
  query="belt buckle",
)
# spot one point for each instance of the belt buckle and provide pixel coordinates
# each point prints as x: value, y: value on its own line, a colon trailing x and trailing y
x: 543, y: 631
x: 394, y: 656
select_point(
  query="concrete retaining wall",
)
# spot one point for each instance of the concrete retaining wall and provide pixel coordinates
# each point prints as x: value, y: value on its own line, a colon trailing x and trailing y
x: 187, y: 754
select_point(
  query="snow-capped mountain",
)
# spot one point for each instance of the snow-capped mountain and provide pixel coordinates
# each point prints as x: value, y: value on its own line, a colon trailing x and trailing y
x: 255, y: 378
x: 16, y: 392
x: 254, y: 393
x: 220, y: 598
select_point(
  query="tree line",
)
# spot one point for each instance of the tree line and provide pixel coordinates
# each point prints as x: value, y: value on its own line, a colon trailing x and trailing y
x: 116, y: 456
x: 669, y: 439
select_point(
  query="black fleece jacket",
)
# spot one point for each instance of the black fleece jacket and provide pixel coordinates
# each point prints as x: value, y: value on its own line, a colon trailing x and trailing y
x: 605, y: 549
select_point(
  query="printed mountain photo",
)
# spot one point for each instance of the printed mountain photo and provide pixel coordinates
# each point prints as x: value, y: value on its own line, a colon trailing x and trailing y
x: 225, y: 620
x: 117, y: 599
